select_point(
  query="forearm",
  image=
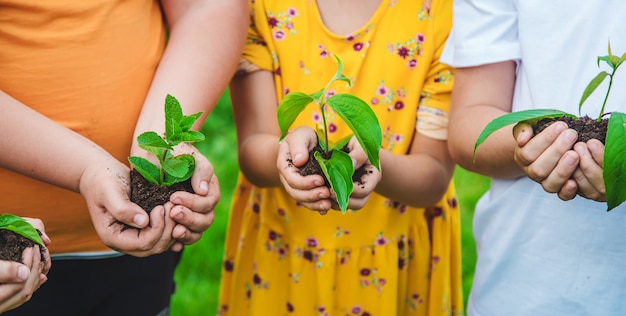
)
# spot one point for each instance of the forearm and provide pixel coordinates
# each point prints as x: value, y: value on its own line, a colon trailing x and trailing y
x: 419, y: 180
x: 494, y: 157
x: 40, y: 148
x: 257, y: 160
x: 480, y: 95
x: 204, y: 46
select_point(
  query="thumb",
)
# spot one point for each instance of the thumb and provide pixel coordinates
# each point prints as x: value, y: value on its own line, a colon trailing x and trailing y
x: 522, y: 132
x: 13, y: 272
x: 123, y: 210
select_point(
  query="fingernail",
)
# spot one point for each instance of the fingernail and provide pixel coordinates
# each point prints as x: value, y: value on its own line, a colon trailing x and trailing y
x: 571, y: 135
x: 323, y: 212
x: 204, y: 186
x: 22, y: 273
x: 298, y: 156
x: 139, y: 219
x: 569, y: 160
x: 560, y: 127
x: 353, y: 163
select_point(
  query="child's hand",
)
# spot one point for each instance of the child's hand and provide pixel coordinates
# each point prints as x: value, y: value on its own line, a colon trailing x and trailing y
x: 194, y: 213
x: 19, y: 281
x: 39, y: 225
x: 588, y: 175
x: 293, y: 153
x: 105, y: 185
x: 365, y: 185
x: 547, y: 158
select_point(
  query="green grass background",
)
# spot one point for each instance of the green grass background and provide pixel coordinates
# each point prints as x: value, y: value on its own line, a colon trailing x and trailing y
x: 198, y: 274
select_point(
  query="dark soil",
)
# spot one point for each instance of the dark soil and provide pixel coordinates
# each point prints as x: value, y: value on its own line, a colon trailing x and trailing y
x: 149, y: 195
x: 587, y: 128
x: 12, y: 246
x: 313, y: 167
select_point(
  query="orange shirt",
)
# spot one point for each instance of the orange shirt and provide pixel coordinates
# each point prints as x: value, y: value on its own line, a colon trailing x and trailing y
x: 87, y: 65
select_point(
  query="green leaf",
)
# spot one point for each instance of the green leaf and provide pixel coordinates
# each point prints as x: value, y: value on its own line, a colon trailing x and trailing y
x: 591, y: 87
x: 179, y: 168
x: 152, y: 139
x: 614, y: 169
x: 338, y: 170
x: 173, y: 116
x: 21, y: 227
x: 362, y: 121
x: 187, y: 137
x: 340, y: 144
x: 147, y: 169
x: 153, y: 143
x: 187, y: 121
x: 608, y: 60
x: 289, y: 109
x: 339, y: 74
x: 529, y: 116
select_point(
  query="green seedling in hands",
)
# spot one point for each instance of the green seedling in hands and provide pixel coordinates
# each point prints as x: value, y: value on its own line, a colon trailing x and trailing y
x: 336, y: 164
x: 173, y: 169
x: 21, y: 227
x: 614, y: 166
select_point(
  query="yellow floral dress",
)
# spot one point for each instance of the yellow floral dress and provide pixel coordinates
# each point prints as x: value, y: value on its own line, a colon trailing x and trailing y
x: 387, y: 258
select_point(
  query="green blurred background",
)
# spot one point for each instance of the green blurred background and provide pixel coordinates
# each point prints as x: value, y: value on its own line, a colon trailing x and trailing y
x: 198, y: 274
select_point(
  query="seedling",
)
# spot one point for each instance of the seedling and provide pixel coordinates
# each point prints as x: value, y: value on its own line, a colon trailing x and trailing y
x: 21, y: 227
x: 614, y: 166
x: 336, y: 164
x: 172, y: 169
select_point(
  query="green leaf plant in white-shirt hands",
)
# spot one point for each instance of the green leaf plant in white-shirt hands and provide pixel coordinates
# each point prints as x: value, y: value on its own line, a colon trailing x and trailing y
x: 611, y: 131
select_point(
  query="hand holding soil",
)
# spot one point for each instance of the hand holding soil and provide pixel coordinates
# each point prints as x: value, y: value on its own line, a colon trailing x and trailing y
x: 304, y: 180
x: 559, y: 162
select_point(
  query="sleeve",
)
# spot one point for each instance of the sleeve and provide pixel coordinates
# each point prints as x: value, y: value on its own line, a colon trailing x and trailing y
x: 256, y: 53
x: 484, y: 32
x: 434, y: 104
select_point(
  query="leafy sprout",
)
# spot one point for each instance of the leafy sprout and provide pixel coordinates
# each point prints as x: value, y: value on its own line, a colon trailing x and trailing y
x: 359, y: 117
x: 614, y: 166
x: 21, y: 227
x: 173, y: 169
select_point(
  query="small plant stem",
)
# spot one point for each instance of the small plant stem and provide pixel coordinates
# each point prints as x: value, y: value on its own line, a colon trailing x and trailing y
x: 606, y: 97
x: 162, y: 170
x: 325, y: 127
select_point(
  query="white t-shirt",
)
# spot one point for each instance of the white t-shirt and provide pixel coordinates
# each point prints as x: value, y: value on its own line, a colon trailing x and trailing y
x: 538, y: 255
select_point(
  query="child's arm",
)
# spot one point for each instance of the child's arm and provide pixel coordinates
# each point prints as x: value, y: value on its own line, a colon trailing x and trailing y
x: 204, y: 44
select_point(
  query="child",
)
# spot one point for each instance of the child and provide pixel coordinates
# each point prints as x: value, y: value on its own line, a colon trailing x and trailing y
x: 399, y: 254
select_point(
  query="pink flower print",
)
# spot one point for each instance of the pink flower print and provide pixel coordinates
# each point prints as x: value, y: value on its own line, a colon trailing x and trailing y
x: 289, y: 25
x: 317, y: 118
x: 382, y: 281
x: 285, y: 91
x: 272, y: 21
x: 365, y: 272
x: 330, y: 93
x: 311, y: 242
x: 292, y: 12
x: 402, y: 209
x: 281, y: 212
x: 403, y: 52
x: 256, y: 208
x: 381, y: 241
x: 279, y: 35
x: 382, y: 90
x: 374, y: 101
x: 420, y: 38
x: 452, y: 202
x: 436, y: 259
x: 356, y: 310
x: 289, y: 307
x: 412, y: 63
x: 324, y: 54
x: 332, y: 128
x: 399, y: 105
x: 397, y: 137
x: 272, y: 235
x: 350, y: 37
x: 357, y: 46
